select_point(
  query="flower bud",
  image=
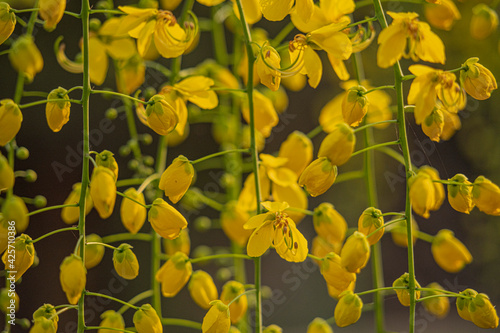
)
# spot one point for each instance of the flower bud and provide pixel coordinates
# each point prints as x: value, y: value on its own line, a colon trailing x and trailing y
x: 23, y: 257
x: 7, y: 22
x: 329, y: 224
x: 319, y: 325
x: 267, y: 65
x: 321, y: 247
x: 442, y: 15
x: 482, y: 312
x: 132, y: 214
x: 14, y: 209
x: 298, y: 149
x: 450, y: 253
x: 433, y: 125
x: 10, y: 120
x: 103, y: 191
x: 179, y: 244
x: 438, y: 187
x: 161, y: 116
x: 355, y: 105
x: 177, y: 178
x: 422, y: 195
x: 399, y: 232
x: 7, y: 178
x: 463, y: 303
x: 73, y: 277
x: 438, y: 306
x: 477, y: 80
x: 51, y: 11
x: 484, y: 21
x: 265, y: 113
x: 338, y: 145
x: 165, y: 219
x: 404, y: 294
x: 369, y: 221
x: 355, y: 252
x: 45, y: 319
x: 70, y: 215
x: 318, y: 177
x: 232, y: 219
x: 93, y: 252
x: 111, y: 319
x: 348, y: 309
x: 146, y: 320
x: 334, y: 274
x: 57, y: 113
x: 335, y: 293
x: 217, y: 318
x: 25, y: 57
x: 106, y: 159
x: 272, y: 329
x: 238, y: 308
x: 130, y: 74
x: 486, y: 196
x: 452, y: 124
x: 7, y: 296
x: 460, y: 196
x: 174, y: 274
x: 125, y: 262
x: 202, y: 289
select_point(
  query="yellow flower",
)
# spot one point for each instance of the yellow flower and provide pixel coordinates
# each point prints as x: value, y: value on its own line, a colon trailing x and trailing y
x: 232, y: 218
x: 486, y: 196
x: 463, y: 303
x: 111, y: 319
x: 202, y: 289
x: 460, y: 196
x: 452, y: 124
x: 23, y: 257
x: 334, y: 274
x: 7, y: 22
x: 132, y: 214
x: 169, y: 4
x: 246, y: 199
x: 106, y: 159
x: 484, y: 21
x: 477, y: 80
x: 130, y: 74
x: 14, y: 209
x: 146, y: 320
x: 443, y: 15
x: 176, y: 100
x: 338, y: 145
x: 296, y: 198
x: 93, y: 252
x: 45, y: 320
x: 438, y: 187
x: 399, y: 232
x: 348, y: 309
x: 404, y: 294
x: 335, y: 293
x: 73, y: 277
x: 318, y: 177
x: 408, y: 37
x: 7, y: 178
x: 422, y: 194
x: 177, y: 178
x: 298, y: 150
x: 329, y: 224
x: 238, y: 308
x: 103, y: 191
x: 161, y: 115
x: 319, y: 325
x: 450, y: 253
x: 57, y: 113
x: 328, y: 11
x: 277, y: 229
x: 165, y: 219
x: 355, y: 105
x: 355, y: 252
x: 369, y: 221
x: 197, y: 90
x: 433, y: 125
x: 275, y: 170
x: 174, y: 274
x: 25, y: 57
x: 6, y: 298
x: 267, y: 64
x: 125, y: 262
x: 438, y: 306
x: 265, y: 114
x: 321, y: 247
x: 51, y: 11
x: 272, y: 329
x: 179, y: 244
x: 70, y: 215
x: 276, y: 10
x: 306, y: 60
x: 217, y: 318
x: 10, y: 120
x: 482, y: 312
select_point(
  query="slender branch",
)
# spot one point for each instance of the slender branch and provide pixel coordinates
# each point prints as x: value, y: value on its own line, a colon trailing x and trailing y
x: 51, y: 208
x: 181, y: 322
x: 360, y: 128
x: 126, y: 236
x: 371, y: 19
x: 425, y: 237
x: 282, y: 34
x: 135, y: 299
x: 103, y: 244
x: 109, y: 92
x: 220, y: 256
x: 219, y: 154
x: 317, y: 130
x: 54, y: 232
x: 379, y: 289
x: 89, y: 293
x: 24, y: 106
x: 377, y: 146
x: 132, y: 199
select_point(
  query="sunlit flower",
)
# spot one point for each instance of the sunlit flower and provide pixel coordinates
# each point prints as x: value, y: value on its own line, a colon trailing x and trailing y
x: 318, y: 177
x: 399, y: 232
x: 111, y: 319
x: 45, y: 319
x: 298, y: 150
x: 232, y: 218
x: 482, y: 312
x: 179, y: 244
x: 443, y: 15
x: 202, y: 289
x: 460, y: 196
x: 329, y: 224
x: 24, y: 256
x: 370, y: 220
x: 486, y: 196
x: 334, y: 273
x: 477, y: 80
x: 132, y: 214
x: 146, y: 320
x: 14, y: 209
x: 73, y: 277
x: 276, y: 10
x: 103, y: 191
x: 338, y: 145
x: 177, y: 178
x: 433, y: 125
x: 355, y: 252
x: 125, y: 262
x: 161, y: 115
x: 247, y: 200
x: 265, y: 115
x: 217, y: 318
x: 348, y: 309
x: 404, y: 294
x: 174, y: 274
x: 6, y: 174
x: 328, y: 11
x: 197, y: 90
x: 130, y: 74
x: 93, y: 252
x: 449, y: 252
x: 319, y: 325
x: 355, y: 105
x: 165, y: 219
x: 106, y: 159
x: 267, y: 62
x: 10, y: 120
x: 57, y: 113
x: 231, y: 290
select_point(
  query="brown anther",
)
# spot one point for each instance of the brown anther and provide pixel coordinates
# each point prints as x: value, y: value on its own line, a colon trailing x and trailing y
x: 268, y: 53
x: 295, y: 245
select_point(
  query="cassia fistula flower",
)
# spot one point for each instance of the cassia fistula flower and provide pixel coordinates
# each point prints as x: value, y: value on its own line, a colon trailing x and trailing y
x: 355, y: 252
x: 23, y: 257
x: 267, y: 64
x: 125, y: 262
x: 348, y: 309
x: 275, y: 170
x: 399, y: 232
x: 319, y: 325
x: 179, y: 244
x: 369, y: 221
x: 174, y: 274
x: 165, y: 219
x: 452, y: 124
x: 318, y: 176
x: 442, y: 15
x: 438, y: 306
x: 482, y: 312
x: 146, y: 320
x: 132, y: 214
x: 334, y: 273
x: 486, y: 196
x: 477, y: 80
x: 321, y: 247
x: 433, y: 124
x: 7, y: 22
x: 111, y: 319
x: 265, y: 113
x: 217, y: 318
x: 70, y: 215
x: 335, y: 293
x: 93, y: 252
x: 329, y: 11
x: 404, y: 294
x: 272, y: 329
x: 238, y: 308
x: 484, y: 21
x: 177, y: 178
x: 438, y: 187
x: 463, y: 303
x: 57, y: 113
x: 197, y: 90
x: 338, y: 145
x: 45, y: 319
x: 14, y: 209
x: 6, y: 298
x: 73, y: 277
x: 422, y: 194
x: 130, y: 74
x: 161, y: 115
x: 329, y: 224
x: 106, y: 159
x: 355, y: 105
x: 298, y: 150
x: 51, y: 11
x: 10, y: 120
x: 202, y: 289
x: 7, y: 178
x: 103, y: 191
x: 460, y: 195
x: 450, y: 253
x: 232, y: 218
x: 25, y: 57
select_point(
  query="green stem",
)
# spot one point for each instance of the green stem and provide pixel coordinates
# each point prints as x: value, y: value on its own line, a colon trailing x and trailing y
x: 129, y: 182
x: 158, y: 67
x: 371, y: 19
x: 220, y: 256
x: 5, y: 52
x: 360, y: 128
x: 385, y: 225
x: 378, y: 88
x: 450, y: 182
x: 132, y: 199
x: 147, y: 181
x: 300, y: 210
x: 89, y: 328
x: 379, y: 289
x: 181, y: 323
x: 51, y: 208
x: 238, y: 296
x: 364, y: 3
x: 89, y: 293
x: 135, y: 299
x: 349, y: 176
x: 126, y: 236
x: 28, y: 10
x: 35, y: 94
x: 107, y: 11
x: 317, y: 130
x: 315, y: 257
x: 209, y: 202
x: 377, y: 146
x: 53, y: 232
x: 109, y: 92
x: 219, y: 37
x: 219, y: 154
x: 24, y: 106
x: 103, y: 244
x: 425, y: 237
x: 282, y: 34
